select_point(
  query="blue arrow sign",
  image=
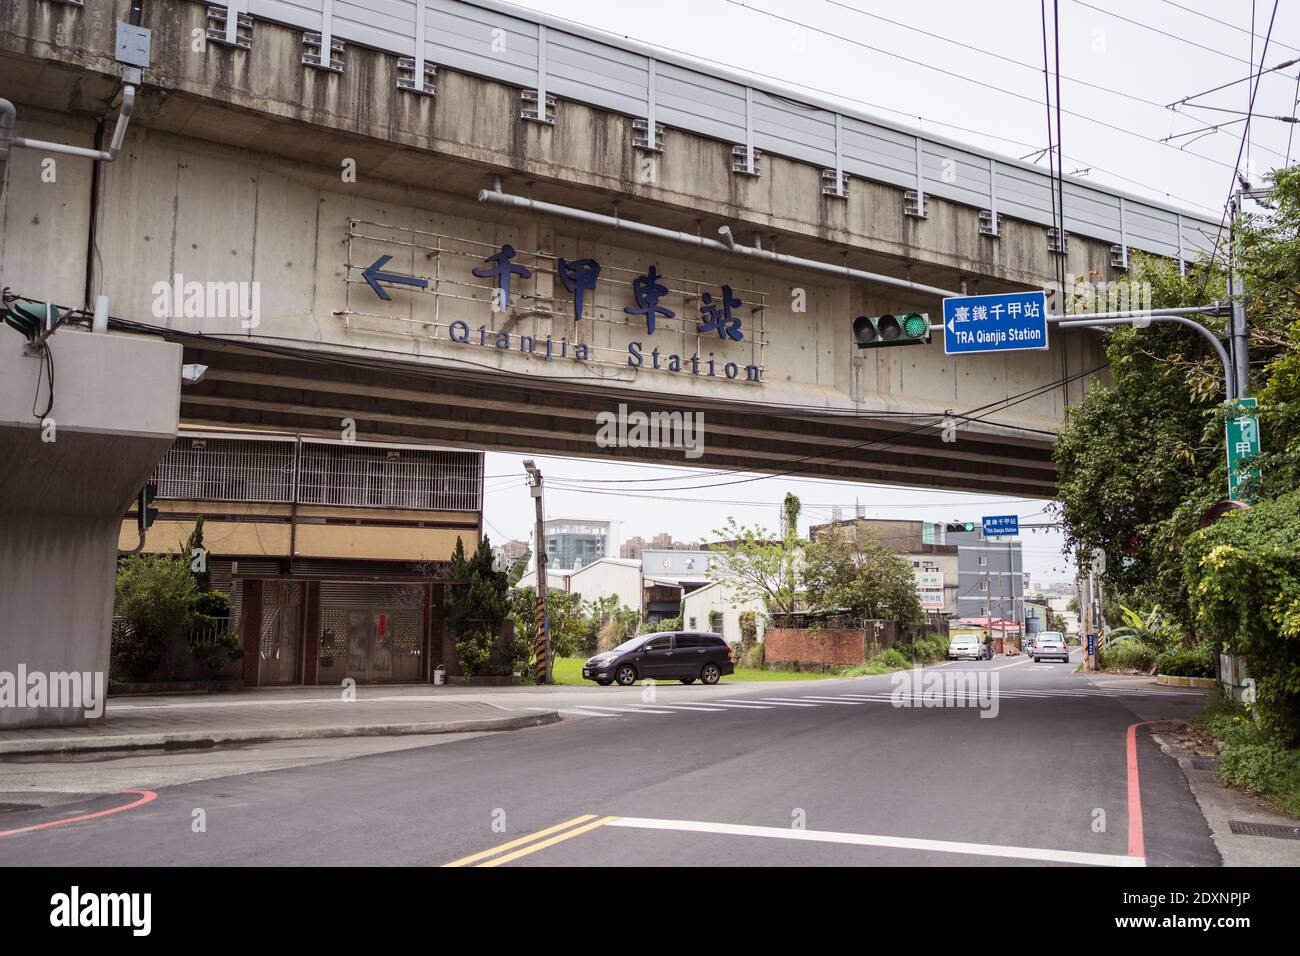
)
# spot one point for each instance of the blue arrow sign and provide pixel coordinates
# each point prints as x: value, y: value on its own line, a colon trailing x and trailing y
x: 996, y: 526
x: 1007, y: 322
x: 373, y: 276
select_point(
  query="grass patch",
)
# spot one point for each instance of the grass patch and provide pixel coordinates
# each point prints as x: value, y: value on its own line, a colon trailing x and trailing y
x: 1251, y: 760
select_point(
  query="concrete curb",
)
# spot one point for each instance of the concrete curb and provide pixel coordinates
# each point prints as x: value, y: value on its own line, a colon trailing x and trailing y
x: 1185, y: 681
x: 207, y: 739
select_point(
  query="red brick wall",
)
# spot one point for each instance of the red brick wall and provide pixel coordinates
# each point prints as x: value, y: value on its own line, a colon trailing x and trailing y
x: 829, y: 646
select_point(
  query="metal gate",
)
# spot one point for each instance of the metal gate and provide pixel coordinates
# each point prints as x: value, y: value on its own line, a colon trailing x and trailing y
x: 373, y: 633
x: 278, y: 648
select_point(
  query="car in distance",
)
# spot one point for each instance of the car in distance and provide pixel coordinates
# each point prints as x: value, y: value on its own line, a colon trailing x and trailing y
x: 1050, y: 645
x: 965, y: 645
x: 686, y: 656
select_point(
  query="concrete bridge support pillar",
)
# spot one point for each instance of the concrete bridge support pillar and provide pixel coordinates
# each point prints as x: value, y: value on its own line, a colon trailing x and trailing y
x: 65, y: 483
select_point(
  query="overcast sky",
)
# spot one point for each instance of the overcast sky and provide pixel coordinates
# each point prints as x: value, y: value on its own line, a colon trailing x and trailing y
x: 1117, y: 77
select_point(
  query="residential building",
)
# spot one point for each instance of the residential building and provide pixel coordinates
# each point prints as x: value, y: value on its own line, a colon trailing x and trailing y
x: 574, y: 542
x: 935, y: 566
x: 335, y: 554
x: 510, y: 552
x: 636, y: 545
x: 991, y: 575
x: 668, y: 575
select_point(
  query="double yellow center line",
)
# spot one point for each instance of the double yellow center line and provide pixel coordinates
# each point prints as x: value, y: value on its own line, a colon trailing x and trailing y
x: 534, y: 841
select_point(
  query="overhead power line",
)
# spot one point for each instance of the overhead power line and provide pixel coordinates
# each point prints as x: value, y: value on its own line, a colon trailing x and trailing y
x: 969, y: 79
x: 918, y: 118
x: 1165, y: 33
x: 1225, y: 23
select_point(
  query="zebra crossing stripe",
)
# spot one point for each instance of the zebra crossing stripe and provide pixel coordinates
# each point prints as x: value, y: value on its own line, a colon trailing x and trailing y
x: 761, y: 702
x: 709, y: 707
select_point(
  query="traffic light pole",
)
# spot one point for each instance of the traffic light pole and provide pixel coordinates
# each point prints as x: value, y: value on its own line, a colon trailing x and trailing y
x: 1179, y: 316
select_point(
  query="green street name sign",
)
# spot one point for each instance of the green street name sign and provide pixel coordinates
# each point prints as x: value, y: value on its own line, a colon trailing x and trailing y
x: 1243, y: 445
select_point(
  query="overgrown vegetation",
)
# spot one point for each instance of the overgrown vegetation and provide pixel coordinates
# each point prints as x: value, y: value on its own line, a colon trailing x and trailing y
x: 1252, y: 757
x: 1140, y: 459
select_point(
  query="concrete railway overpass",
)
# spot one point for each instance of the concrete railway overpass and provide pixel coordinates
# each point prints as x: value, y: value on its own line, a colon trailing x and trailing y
x: 261, y: 189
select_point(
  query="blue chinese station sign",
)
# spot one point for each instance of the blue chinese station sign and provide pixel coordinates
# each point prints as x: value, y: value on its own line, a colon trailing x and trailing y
x: 1006, y: 322
x: 998, y: 526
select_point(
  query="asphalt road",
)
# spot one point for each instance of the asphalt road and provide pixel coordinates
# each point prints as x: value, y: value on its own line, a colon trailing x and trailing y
x: 822, y: 773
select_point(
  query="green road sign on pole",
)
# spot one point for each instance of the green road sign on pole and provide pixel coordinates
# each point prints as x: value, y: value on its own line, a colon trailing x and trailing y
x: 1243, y: 445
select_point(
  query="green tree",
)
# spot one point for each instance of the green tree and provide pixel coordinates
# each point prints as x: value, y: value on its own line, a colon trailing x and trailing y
x: 195, y: 556
x: 573, y: 631
x: 848, y: 569
x: 476, y: 609
x: 757, y: 566
x: 153, y: 594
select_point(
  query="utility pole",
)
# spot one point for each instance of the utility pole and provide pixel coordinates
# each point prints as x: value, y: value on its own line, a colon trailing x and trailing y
x: 543, y: 639
x: 1236, y: 294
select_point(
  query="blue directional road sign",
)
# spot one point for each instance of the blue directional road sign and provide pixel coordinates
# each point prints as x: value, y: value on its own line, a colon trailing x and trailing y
x: 1007, y: 322
x: 374, y: 276
x: 996, y: 526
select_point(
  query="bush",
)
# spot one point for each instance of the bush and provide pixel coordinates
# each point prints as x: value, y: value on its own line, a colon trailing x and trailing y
x: 893, y: 658
x: 211, y: 604
x: 1198, y: 662
x: 473, y: 650
x: 1263, y: 767
x: 1242, y: 575
x: 923, y: 649
x: 748, y: 628
x: 751, y: 656
x: 154, y: 595
x: 1129, y: 656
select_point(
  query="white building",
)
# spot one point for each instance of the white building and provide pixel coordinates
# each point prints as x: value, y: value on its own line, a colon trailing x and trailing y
x: 557, y: 580
x: 717, y: 607
x: 616, y: 577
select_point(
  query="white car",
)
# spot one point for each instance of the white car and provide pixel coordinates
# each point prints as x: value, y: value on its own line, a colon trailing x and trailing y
x: 1051, y: 645
x: 966, y: 646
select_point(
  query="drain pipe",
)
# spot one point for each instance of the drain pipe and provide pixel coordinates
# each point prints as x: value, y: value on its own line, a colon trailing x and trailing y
x: 106, y: 155
x: 8, y: 117
x: 727, y: 243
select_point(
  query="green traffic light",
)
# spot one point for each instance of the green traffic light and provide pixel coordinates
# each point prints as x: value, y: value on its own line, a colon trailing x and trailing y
x: 911, y: 328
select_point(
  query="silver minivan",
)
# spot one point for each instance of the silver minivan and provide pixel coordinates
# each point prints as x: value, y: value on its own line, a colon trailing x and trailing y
x: 1050, y: 645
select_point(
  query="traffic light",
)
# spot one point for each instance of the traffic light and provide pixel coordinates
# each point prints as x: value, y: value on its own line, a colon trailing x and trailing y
x: 31, y: 318
x: 873, y: 331
x: 144, y: 514
x: 959, y: 526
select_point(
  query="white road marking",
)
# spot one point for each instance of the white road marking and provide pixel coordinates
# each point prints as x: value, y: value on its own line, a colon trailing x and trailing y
x: 868, y: 839
x: 587, y: 713
x: 745, y: 706
x: 711, y: 707
x: 835, y: 700
x: 771, y: 702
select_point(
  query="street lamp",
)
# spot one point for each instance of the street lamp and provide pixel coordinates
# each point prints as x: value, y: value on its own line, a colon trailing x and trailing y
x: 543, y: 598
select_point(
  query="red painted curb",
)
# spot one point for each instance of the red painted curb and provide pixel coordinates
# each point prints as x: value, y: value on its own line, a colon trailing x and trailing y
x: 1136, y: 840
x: 146, y: 796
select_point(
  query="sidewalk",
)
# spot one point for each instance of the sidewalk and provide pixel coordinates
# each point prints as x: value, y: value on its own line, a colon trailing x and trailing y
x: 201, y: 720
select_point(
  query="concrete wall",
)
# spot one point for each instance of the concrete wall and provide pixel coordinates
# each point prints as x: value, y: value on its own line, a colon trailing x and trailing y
x: 67, y: 482
x: 234, y: 175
